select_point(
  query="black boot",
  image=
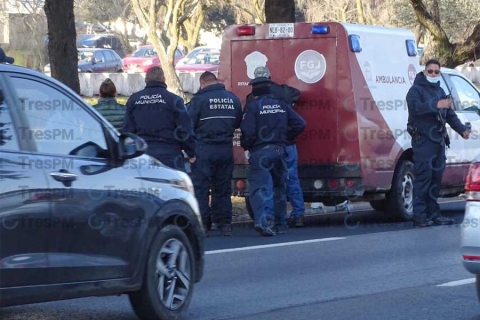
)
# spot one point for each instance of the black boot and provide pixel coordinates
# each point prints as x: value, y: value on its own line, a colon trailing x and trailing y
x: 440, y: 220
x: 227, y: 230
x: 422, y: 221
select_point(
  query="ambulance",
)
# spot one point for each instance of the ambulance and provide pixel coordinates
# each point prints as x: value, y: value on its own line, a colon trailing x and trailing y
x: 353, y: 81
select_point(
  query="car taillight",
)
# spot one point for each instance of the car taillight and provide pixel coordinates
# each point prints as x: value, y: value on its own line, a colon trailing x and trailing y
x: 472, y: 186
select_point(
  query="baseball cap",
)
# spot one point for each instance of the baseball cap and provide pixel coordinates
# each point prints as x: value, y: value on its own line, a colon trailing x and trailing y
x: 261, y: 72
x: 4, y: 58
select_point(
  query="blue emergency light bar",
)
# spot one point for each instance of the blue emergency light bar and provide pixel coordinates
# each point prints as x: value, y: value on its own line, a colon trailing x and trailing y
x: 319, y: 29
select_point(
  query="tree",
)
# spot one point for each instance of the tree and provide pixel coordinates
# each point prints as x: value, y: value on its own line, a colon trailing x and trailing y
x: 102, y: 11
x: 62, y: 48
x: 247, y: 11
x: 278, y: 11
x: 163, y: 21
x: 450, y: 53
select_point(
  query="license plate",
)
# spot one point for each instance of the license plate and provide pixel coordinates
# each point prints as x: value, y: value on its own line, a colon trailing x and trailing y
x: 284, y: 30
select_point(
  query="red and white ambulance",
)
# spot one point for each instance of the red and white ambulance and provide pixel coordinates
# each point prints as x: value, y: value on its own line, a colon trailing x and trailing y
x: 353, y: 81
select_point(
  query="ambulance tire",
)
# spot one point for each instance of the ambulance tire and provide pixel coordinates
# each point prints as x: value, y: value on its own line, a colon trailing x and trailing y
x: 378, y: 205
x: 399, y: 202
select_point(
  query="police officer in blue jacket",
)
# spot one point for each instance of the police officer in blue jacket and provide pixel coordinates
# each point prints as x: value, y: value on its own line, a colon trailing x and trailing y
x: 161, y: 119
x: 429, y: 109
x: 291, y: 96
x: 215, y: 113
x: 268, y: 126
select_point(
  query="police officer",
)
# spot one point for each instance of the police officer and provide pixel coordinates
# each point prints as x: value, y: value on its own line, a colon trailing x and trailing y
x: 161, y: 119
x: 429, y: 109
x: 291, y: 96
x: 215, y: 113
x: 4, y: 58
x: 268, y: 125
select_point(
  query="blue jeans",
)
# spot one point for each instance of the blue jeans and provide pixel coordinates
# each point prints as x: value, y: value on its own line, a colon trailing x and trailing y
x: 294, y: 191
x: 266, y: 164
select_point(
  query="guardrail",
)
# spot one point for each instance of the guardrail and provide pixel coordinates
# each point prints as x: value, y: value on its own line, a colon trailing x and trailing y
x: 129, y: 83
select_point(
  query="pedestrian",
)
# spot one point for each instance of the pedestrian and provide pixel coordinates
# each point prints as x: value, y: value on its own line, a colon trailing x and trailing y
x: 291, y: 96
x: 161, y: 119
x: 267, y: 127
x: 107, y: 105
x: 429, y: 109
x: 215, y: 113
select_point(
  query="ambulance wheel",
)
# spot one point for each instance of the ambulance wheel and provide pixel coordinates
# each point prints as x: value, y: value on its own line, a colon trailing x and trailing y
x: 400, y: 198
x: 378, y: 205
x: 249, y: 208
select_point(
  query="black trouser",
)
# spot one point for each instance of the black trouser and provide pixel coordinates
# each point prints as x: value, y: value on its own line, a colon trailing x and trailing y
x: 429, y: 162
x: 213, y: 171
x: 171, y: 156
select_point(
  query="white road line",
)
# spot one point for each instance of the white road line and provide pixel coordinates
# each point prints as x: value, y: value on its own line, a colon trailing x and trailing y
x: 457, y: 283
x: 272, y: 245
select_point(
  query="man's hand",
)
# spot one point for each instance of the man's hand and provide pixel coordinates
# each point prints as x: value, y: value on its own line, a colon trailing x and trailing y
x: 444, y: 104
x: 192, y: 160
x: 466, y: 134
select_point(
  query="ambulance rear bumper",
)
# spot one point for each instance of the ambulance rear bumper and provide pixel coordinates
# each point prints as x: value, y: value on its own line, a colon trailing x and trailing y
x: 332, y: 183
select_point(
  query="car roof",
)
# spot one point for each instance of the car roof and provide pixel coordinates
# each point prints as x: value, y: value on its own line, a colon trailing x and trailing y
x: 93, y: 49
x: 27, y: 71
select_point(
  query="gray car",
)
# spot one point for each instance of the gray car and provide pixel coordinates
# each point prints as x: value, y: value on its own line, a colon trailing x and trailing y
x: 84, y: 210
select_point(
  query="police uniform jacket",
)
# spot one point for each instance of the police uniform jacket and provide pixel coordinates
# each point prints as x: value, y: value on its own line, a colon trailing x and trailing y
x: 422, y: 99
x: 215, y: 113
x: 160, y: 117
x: 269, y: 121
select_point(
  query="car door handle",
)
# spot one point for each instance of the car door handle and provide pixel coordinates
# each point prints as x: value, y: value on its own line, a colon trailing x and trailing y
x: 63, y: 176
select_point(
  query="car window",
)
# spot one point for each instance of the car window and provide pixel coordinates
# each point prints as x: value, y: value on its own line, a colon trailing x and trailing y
x: 99, y: 57
x: 138, y: 53
x: 8, y: 136
x: 108, y: 56
x: 150, y: 53
x: 57, y: 124
x: 468, y: 95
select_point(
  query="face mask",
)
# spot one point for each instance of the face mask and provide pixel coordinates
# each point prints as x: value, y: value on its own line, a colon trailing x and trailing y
x: 433, y: 79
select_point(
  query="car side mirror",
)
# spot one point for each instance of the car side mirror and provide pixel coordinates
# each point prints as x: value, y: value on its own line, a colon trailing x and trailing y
x: 131, y: 146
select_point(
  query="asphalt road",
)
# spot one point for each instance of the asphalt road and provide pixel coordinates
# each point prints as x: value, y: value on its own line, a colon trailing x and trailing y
x: 378, y: 269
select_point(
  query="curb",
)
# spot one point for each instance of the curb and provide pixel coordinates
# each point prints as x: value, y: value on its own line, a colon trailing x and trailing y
x: 312, y: 216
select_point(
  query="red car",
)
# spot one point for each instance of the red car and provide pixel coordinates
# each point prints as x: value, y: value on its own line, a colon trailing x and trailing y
x: 202, y: 60
x: 144, y: 58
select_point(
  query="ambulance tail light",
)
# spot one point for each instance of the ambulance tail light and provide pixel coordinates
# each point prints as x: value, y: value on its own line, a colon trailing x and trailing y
x: 333, y: 184
x: 472, y: 186
x: 246, y: 31
x: 320, y: 29
x: 240, y: 185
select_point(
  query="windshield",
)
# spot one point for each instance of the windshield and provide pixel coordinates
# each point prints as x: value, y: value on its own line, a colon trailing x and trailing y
x: 85, y: 56
x: 204, y: 58
x: 138, y: 53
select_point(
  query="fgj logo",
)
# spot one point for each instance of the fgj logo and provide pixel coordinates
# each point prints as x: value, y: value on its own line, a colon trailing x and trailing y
x: 310, y: 66
x: 254, y: 60
x: 412, y: 73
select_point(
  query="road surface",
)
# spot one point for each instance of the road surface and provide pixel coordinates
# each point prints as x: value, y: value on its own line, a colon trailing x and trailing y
x: 377, y: 269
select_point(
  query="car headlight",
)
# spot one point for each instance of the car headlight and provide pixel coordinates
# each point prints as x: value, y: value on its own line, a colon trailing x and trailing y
x: 185, y: 184
x: 147, y: 63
